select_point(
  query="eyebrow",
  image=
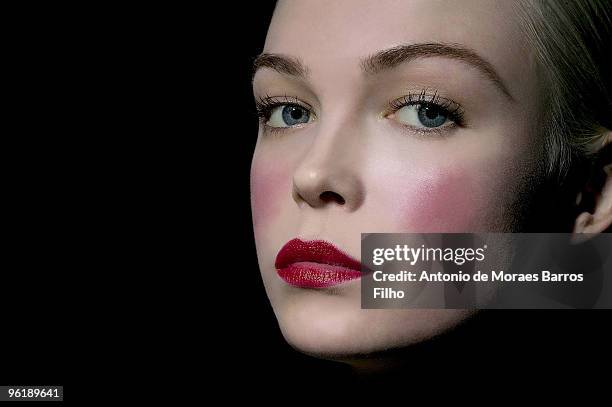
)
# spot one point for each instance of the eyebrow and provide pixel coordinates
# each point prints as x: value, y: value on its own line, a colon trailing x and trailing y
x: 389, y: 59
x: 280, y: 63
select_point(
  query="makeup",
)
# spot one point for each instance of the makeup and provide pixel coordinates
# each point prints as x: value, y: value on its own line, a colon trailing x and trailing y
x: 315, y: 264
x: 443, y: 201
x: 268, y: 184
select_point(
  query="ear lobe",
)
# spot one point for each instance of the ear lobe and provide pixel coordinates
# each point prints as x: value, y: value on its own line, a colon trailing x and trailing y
x: 582, y: 222
x: 597, y: 218
x: 587, y: 223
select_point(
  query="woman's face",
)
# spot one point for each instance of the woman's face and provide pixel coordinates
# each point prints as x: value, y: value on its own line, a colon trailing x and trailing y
x: 438, y: 134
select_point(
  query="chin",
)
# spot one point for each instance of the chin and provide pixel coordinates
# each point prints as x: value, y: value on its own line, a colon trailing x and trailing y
x: 334, y: 329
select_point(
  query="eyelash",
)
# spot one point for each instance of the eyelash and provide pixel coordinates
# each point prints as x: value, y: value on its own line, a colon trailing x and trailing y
x: 454, y: 111
x: 451, y: 109
x: 265, y: 105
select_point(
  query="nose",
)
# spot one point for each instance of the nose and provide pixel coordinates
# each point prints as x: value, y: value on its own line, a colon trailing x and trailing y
x: 328, y: 174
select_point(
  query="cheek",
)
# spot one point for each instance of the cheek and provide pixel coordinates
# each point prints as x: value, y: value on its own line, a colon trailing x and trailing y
x: 444, y: 202
x: 269, y: 183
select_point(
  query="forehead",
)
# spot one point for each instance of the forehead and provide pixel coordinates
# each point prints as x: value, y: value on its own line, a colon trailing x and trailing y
x: 341, y: 32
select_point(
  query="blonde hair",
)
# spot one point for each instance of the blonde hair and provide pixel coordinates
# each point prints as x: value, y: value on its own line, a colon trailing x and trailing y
x: 571, y: 40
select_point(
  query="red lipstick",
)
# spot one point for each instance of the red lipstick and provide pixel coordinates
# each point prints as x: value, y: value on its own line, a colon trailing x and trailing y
x: 315, y: 264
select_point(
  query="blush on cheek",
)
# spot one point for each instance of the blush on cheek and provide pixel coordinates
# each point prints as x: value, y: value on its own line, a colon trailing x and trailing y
x: 269, y: 183
x: 444, y: 202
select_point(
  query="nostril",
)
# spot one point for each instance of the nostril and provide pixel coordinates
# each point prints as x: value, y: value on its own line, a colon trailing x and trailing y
x: 329, y: 196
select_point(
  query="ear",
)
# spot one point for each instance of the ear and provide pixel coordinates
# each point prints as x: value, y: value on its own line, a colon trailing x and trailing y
x: 595, y: 200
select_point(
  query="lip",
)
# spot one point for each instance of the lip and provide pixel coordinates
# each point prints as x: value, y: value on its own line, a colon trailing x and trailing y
x: 315, y: 264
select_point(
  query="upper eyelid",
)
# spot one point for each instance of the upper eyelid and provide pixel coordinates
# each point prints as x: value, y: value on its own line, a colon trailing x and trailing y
x: 449, y: 105
x: 283, y: 100
x: 424, y: 97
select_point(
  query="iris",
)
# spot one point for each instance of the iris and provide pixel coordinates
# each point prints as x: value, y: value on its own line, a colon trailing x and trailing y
x: 431, y: 116
x: 293, y: 115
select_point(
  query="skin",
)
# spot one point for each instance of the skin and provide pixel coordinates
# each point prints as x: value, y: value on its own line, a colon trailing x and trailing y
x: 391, y: 177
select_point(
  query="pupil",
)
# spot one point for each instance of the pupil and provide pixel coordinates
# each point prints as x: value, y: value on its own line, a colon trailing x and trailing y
x: 296, y: 113
x: 431, y: 113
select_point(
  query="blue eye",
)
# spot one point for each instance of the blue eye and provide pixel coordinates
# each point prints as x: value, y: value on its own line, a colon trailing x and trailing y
x: 288, y: 116
x: 422, y: 115
x: 426, y: 112
x: 431, y: 116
